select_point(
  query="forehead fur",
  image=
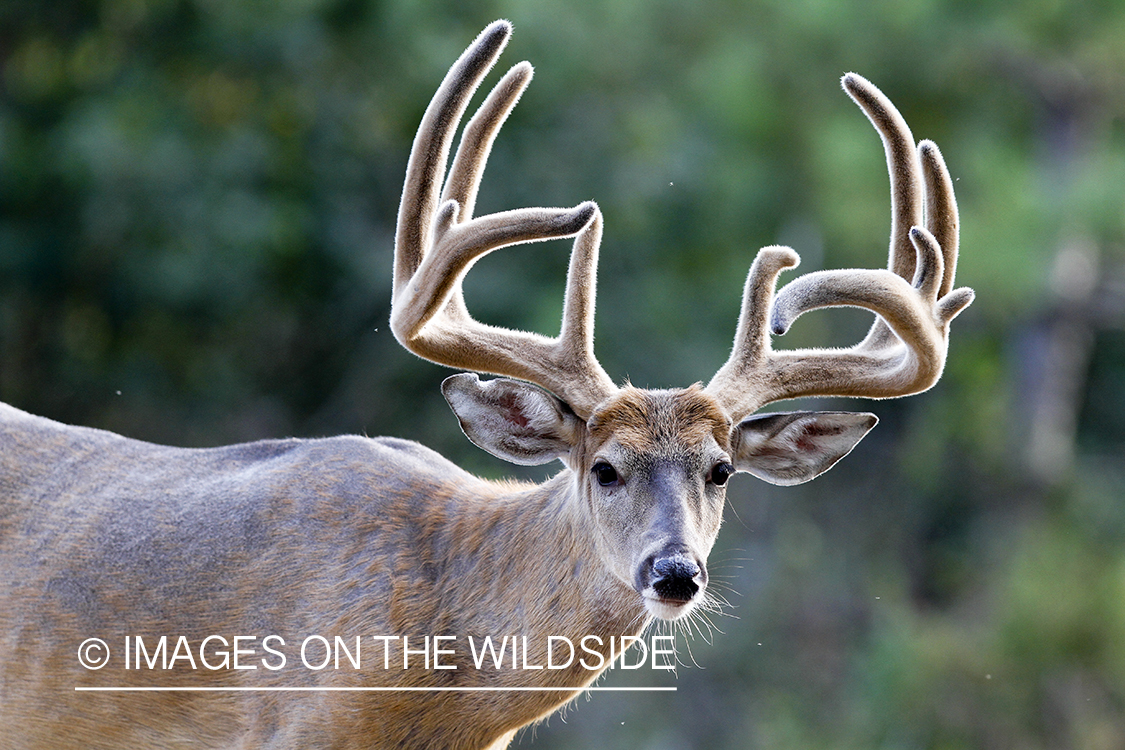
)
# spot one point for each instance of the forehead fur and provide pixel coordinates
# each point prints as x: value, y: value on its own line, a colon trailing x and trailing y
x: 644, y: 420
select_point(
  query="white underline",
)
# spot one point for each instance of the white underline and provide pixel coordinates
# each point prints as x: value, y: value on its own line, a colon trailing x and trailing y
x: 364, y: 689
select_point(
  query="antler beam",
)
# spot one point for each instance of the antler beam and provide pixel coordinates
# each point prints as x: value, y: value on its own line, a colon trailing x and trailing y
x: 914, y: 300
x: 439, y: 240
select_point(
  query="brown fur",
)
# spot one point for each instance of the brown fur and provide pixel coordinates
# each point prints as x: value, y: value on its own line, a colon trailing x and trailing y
x: 102, y: 536
x: 345, y: 536
x: 644, y: 421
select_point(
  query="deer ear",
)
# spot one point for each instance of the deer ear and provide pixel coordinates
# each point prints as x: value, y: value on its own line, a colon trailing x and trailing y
x: 512, y: 420
x: 791, y: 448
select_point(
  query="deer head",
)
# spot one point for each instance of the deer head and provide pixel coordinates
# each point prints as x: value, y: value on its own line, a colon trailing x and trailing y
x: 650, y: 467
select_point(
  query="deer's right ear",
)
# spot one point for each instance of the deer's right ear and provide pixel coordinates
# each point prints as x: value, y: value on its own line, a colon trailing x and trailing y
x: 511, y: 419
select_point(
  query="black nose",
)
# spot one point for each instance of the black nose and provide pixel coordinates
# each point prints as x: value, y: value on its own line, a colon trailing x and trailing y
x: 675, y: 577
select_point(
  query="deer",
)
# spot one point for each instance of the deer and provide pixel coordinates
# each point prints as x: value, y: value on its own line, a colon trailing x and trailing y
x: 219, y: 560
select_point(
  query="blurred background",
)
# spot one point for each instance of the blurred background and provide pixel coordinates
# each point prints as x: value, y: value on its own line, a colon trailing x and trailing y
x: 197, y: 204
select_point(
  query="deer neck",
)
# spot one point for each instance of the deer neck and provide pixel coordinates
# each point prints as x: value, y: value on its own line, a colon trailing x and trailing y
x: 532, y: 552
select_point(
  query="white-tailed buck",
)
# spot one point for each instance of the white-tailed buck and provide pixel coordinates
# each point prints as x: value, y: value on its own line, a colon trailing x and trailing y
x: 222, y: 575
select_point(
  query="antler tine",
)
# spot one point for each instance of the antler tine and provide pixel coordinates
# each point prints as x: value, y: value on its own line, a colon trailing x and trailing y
x: 902, y: 166
x: 942, y: 218
x: 430, y: 150
x: 476, y: 142
x: 437, y: 243
x: 905, y: 350
x: 735, y: 381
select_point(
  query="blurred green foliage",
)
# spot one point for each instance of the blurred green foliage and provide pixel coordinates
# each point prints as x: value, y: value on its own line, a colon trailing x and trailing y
x: 197, y: 203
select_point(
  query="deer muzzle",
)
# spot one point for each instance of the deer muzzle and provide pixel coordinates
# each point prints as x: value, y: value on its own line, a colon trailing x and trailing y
x: 671, y: 583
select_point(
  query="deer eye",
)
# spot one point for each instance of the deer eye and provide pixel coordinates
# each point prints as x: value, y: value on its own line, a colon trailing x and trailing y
x: 606, y: 474
x: 720, y: 473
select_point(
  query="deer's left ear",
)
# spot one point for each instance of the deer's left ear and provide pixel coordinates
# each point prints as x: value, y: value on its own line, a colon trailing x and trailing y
x: 511, y: 419
x: 791, y: 448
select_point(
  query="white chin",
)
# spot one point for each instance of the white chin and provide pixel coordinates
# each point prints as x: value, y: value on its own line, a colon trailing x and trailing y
x: 668, y: 610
